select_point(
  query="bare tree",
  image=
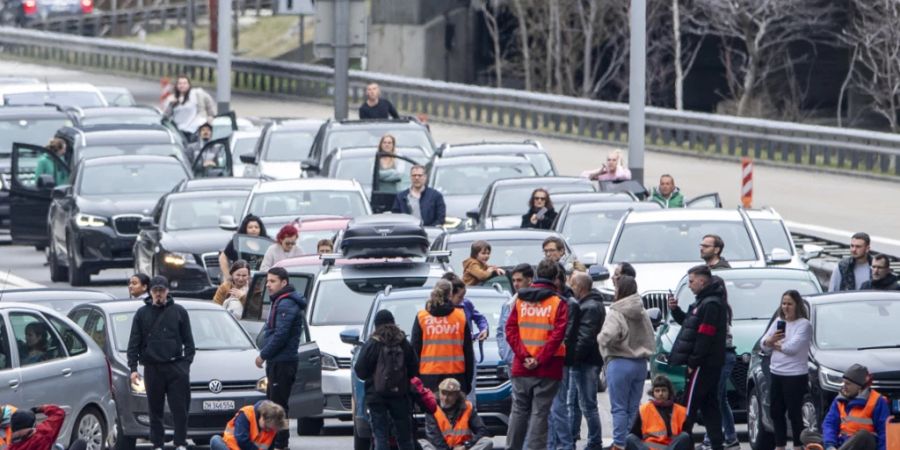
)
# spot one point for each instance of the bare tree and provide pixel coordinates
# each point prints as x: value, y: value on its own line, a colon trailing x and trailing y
x: 489, y: 12
x: 522, y: 22
x: 685, y: 53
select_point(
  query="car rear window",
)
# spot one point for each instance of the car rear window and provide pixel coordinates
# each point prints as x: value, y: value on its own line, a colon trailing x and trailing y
x: 80, y: 99
x: 346, y: 302
x: 513, y: 200
x: 679, y: 241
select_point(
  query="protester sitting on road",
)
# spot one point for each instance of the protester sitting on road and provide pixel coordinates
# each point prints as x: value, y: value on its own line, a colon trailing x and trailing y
x: 26, y: 436
x: 522, y: 275
x: 475, y: 268
x: 232, y: 294
x: 883, y: 278
x: 285, y: 247
x: 854, y: 270
x: 856, y: 419
x: 189, y: 107
x: 540, y: 211
x: 421, y: 201
x: 47, y: 165
x: 390, y: 170
x: 711, y: 252
x: 376, y: 107
x: 667, y: 194
x: 250, y: 226
x: 324, y: 246
x: 615, y: 169
x: 455, y: 423
x: 252, y: 427
x: 138, y: 286
x: 660, y: 422
x: 437, y: 333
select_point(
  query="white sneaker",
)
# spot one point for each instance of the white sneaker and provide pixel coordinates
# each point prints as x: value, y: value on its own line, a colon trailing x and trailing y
x: 181, y: 447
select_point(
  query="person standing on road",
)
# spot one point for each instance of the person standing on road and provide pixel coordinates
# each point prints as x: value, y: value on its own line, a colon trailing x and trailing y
x: 728, y: 430
x: 475, y: 268
x: 47, y: 165
x: 711, y: 247
x: 627, y: 343
x: 281, y: 339
x: 376, y: 107
x: 138, y: 286
x: 540, y: 213
x: 455, y: 424
x: 189, y: 107
x: 285, y: 247
x: 883, y: 278
x: 442, y: 339
x: 667, y: 194
x: 522, y: 275
x: 420, y: 200
x: 854, y: 270
x: 161, y: 340
x: 701, y: 346
x: 252, y: 427
x: 250, y: 226
x: 562, y: 432
x: 535, y: 331
x: 472, y: 316
x: 386, y: 363
x: 659, y: 424
x: 788, y: 340
x: 585, y: 372
x: 615, y: 169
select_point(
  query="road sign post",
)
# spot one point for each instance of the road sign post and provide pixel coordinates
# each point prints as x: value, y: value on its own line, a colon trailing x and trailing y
x: 223, y: 65
x: 340, y: 35
x: 747, y: 183
x: 636, y: 86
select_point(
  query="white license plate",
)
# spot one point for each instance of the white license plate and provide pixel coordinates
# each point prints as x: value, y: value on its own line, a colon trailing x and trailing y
x: 218, y: 405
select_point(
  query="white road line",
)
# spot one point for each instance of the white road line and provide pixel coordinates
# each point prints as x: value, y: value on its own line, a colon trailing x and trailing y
x: 10, y: 281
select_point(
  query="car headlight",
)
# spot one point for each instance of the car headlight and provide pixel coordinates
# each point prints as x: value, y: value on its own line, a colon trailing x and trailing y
x: 178, y: 259
x: 262, y: 385
x: 137, y: 387
x: 329, y: 362
x: 830, y: 380
x: 89, y: 221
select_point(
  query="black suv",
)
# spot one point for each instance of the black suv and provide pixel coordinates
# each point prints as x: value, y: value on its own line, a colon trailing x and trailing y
x: 24, y: 12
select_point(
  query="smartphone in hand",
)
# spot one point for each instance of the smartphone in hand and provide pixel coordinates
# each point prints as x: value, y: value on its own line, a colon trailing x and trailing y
x: 541, y: 213
x: 780, y: 326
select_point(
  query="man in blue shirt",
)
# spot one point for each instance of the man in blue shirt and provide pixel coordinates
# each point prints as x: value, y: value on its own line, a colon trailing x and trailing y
x: 420, y: 200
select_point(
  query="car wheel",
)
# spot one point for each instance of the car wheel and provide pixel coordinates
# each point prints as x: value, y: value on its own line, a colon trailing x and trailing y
x: 601, y: 385
x: 90, y: 426
x: 760, y: 438
x: 77, y: 275
x: 310, y: 426
x: 58, y: 272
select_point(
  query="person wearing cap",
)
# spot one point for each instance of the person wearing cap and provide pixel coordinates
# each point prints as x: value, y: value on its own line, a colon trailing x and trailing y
x: 856, y: 419
x: 27, y: 436
x: 388, y: 404
x: 455, y: 424
x: 659, y: 424
x: 253, y: 427
x: 6, y: 412
x: 161, y: 341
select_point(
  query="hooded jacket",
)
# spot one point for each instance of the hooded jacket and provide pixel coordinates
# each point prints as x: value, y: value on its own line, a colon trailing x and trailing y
x: 891, y: 282
x: 371, y: 351
x: 592, y: 317
x: 171, y: 341
x: 432, y: 381
x: 549, y: 366
x: 281, y: 332
x: 627, y: 331
x: 704, y: 328
x: 675, y: 200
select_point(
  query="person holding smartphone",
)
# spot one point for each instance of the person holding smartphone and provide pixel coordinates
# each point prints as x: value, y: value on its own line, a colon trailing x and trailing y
x: 788, y: 340
x: 540, y: 211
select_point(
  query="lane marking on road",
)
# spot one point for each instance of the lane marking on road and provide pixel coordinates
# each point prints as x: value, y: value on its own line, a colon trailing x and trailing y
x: 836, y: 233
x: 10, y: 281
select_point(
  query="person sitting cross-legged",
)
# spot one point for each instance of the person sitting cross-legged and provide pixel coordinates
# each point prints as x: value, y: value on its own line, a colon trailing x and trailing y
x: 660, y: 422
x: 454, y: 425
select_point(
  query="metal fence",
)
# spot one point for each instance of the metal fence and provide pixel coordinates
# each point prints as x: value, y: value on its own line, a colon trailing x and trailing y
x: 860, y: 152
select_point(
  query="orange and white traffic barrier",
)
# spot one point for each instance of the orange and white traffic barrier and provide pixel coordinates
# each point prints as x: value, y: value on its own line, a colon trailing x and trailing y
x: 747, y: 182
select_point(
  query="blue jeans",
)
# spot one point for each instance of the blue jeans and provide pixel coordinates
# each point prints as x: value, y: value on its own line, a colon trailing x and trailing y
x: 396, y: 412
x: 559, y: 436
x: 727, y: 415
x: 625, y: 380
x: 583, y: 381
x: 217, y: 443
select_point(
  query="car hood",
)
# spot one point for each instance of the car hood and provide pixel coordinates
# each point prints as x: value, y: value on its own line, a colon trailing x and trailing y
x: 457, y: 205
x: 503, y: 222
x: 280, y: 170
x: 210, y: 365
x: 744, y: 334
x: 329, y: 339
x: 880, y: 360
x: 112, y: 205
x: 198, y: 241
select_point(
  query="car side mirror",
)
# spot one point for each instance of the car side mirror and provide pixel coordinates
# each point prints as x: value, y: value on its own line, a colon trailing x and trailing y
x: 656, y: 316
x: 440, y: 150
x: 472, y: 214
x: 61, y: 191
x: 598, y: 272
x: 228, y: 223
x: 779, y: 256
x: 146, y: 223
x: 248, y: 159
x: 589, y: 259
x: 309, y: 165
x: 351, y: 336
x: 811, y: 251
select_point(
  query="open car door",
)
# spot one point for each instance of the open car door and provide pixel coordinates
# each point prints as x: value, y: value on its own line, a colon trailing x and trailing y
x: 386, y: 183
x: 306, y: 398
x: 214, y: 159
x: 251, y: 248
x: 711, y: 200
x: 35, y: 172
x: 258, y: 304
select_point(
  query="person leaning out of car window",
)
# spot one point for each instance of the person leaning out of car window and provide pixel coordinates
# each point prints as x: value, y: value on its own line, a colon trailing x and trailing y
x: 232, y: 294
x: 475, y: 268
x: 27, y: 435
x: 285, y: 247
x: 420, y: 200
x: 189, y: 107
x: 857, y: 418
x: 138, y: 286
x: 46, y: 165
x: 659, y: 424
x: 250, y: 226
x: 252, y: 427
x: 442, y: 339
x: 540, y: 211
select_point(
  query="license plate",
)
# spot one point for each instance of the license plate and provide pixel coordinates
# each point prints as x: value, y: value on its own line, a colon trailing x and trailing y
x: 218, y: 405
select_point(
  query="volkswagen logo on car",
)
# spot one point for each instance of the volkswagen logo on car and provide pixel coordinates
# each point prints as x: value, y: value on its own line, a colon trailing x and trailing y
x: 215, y: 386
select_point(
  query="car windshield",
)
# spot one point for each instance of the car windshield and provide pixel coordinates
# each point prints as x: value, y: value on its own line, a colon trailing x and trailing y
x: 513, y: 200
x: 309, y: 203
x: 130, y: 178
x: 289, y: 145
x: 754, y: 298
x: 772, y: 235
x: 62, y: 98
x: 591, y: 227
x: 28, y: 131
x: 471, y: 180
x: 679, y: 241
x: 405, y: 311
x: 123, y: 119
x: 212, y: 330
x: 365, y: 137
x: 198, y: 213
x: 872, y: 322
x: 130, y: 149
x: 346, y: 302
x: 359, y: 167
x: 504, y: 252
x: 244, y: 146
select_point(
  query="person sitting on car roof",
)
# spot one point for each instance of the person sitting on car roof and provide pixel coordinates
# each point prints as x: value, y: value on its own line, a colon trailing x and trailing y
x: 252, y: 427
x: 856, y: 419
x: 615, y: 169
x: 420, y: 200
x: 285, y: 247
x: 455, y: 423
x: 667, y: 195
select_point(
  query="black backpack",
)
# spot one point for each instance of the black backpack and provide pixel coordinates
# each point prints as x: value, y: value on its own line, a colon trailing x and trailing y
x: 390, y: 371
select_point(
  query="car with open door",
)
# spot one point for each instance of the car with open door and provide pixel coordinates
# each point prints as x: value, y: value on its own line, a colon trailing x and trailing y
x: 505, y: 201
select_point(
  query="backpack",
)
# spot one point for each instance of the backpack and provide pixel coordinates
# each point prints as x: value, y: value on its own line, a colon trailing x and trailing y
x: 390, y: 371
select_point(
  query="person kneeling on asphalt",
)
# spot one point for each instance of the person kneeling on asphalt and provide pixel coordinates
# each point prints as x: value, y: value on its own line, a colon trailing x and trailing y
x: 660, y: 422
x: 25, y: 436
x: 455, y: 424
x: 856, y: 419
x: 252, y: 427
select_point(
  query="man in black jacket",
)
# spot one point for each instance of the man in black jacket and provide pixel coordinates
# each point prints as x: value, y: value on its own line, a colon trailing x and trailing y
x: 587, y: 363
x: 883, y: 278
x: 701, y: 346
x: 162, y: 342
x: 561, y: 423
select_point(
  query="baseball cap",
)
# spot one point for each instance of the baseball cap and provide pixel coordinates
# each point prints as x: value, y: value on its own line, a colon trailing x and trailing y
x: 159, y: 281
x: 857, y: 374
x: 450, y: 385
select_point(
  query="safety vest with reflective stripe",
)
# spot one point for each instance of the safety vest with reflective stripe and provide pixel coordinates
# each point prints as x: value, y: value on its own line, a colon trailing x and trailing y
x: 6, y: 437
x: 458, y: 434
x: 442, y: 343
x: 262, y: 439
x: 653, y: 428
x: 859, y: 418
x: 536, y: 321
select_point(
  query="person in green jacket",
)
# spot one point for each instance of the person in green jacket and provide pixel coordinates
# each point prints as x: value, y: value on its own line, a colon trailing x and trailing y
x: 667, y: 194
x: 46, y: 165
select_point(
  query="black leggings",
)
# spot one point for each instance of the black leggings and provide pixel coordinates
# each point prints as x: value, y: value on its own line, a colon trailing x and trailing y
x: 786, y: 395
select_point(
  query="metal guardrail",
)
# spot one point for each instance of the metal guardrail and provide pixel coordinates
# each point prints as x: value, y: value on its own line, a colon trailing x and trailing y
x: 832, y: 253
x: 801, y: 146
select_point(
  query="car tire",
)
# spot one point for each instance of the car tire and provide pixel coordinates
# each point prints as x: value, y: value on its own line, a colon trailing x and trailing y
x: 310, y: 426
x: 77, y: 275
x: 91, y: 427
x: 58, y: 272
x: 760, y: 438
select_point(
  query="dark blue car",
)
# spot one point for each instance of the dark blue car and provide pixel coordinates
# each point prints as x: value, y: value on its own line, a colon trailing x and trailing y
x: 493, y: 388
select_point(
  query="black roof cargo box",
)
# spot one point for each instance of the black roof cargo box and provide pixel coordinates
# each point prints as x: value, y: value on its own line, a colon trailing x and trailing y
x: 385, y: 236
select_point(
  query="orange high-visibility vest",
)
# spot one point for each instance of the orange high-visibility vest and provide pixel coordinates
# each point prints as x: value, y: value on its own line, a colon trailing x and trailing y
x: 653, y: 428
x: 455, y: 435
x: 442, y: 343
x: 536, y: 322
x: 262, y: 439
x: 7, y: 430
x: 859, y: 419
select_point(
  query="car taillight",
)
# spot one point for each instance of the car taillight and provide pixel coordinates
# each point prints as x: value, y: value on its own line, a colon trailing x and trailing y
x: 87, y: 6
x: 29, y: 7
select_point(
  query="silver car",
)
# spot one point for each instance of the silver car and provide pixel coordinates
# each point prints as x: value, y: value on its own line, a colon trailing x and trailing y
x: 45, y: 358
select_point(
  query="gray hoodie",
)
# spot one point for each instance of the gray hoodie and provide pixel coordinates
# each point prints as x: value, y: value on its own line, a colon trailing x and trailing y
x: 627, y: 331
